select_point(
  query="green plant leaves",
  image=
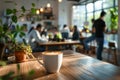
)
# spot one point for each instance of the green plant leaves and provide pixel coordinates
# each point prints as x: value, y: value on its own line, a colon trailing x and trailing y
x: 2, y: 63
x: 114, y: 18
x: 18, y: 31
x: 33, y: 4
x: 22, y: 34
x: 31, y: 72
x: 9, y: 11
x: 7, y: 76
x: 9, y: 35
x: 18, y: 67
x: 14, y: 19
x: 23, y: 9
x: 33, y: 10
x: 0, y: 22
x: 14, y: 11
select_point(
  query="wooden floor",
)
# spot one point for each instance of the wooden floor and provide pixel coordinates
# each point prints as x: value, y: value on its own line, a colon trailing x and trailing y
x: 75, y: 66
x: 105, y: 57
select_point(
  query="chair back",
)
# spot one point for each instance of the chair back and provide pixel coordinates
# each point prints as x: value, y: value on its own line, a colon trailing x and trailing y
x: 111, y: 45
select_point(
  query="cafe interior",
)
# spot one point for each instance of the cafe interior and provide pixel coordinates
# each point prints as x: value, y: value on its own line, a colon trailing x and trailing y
x: 59, y: 40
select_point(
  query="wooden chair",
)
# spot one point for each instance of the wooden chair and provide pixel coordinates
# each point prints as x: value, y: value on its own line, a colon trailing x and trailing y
x: 112, y: 51
x: 93, y: 47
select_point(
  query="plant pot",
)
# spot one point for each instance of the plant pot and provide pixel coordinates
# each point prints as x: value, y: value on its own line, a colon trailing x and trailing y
x: 20, y: 56
x: 114, y: 31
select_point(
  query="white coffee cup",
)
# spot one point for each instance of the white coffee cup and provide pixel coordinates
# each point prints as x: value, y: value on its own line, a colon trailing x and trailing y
x: 52, y: 61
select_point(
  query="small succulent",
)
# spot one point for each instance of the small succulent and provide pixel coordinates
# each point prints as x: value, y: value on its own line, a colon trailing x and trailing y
x: 21, y: 46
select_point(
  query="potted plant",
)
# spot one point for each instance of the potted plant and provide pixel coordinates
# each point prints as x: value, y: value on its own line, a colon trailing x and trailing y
x: 8, y: 36
x: 21, y: 51
x: 114, y: 19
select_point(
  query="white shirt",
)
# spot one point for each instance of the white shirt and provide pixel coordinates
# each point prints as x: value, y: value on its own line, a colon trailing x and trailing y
x: 34, y: 36
x: 65, y: 30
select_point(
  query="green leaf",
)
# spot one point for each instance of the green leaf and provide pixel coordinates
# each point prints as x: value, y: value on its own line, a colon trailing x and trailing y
x: 1, y: 78
x: 22, y: 34
x: 15, y: 34
x: 23, y: 9
x: 17, y: 28
x: 14, y: 11
x: 7, y: 76
x: 1, y: 29
x: 9, y: 11
x: 33, y: 10
x: 0, y: 21
x: 2, y: 63
x: 14, y: 19
x: 33, y: 4
x: 31, y: 72
x: 21, y: 15
x: 15, y: 78
x: 18, y: 67
x: 22, y: 28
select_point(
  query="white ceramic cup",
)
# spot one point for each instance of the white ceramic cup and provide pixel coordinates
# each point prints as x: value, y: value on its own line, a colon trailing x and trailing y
x: 52, y: 61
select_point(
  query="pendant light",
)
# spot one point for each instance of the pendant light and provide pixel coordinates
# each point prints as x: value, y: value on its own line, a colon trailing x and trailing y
x: 37, y: 11
x: 59, y: 0
x: 48, y: 5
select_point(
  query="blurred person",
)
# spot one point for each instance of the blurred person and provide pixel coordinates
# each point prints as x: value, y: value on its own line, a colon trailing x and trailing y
x: 32, y: 27
x: 44, y: 33
x: 35, y: 38
x: 57, y: 35
x: 65, y: 32
x: 100, y: 26
x: 89, y: 39
x: 76, y: 33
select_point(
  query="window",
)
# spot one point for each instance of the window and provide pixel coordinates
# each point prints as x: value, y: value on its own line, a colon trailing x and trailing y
x: 107, y: 3
x: 116, y: 2
x: 89, y: 17
x: 98, y: 5
x: 97, y: 14
x: 107, y: 18
x: 90, y: 7
x: 78, y: 15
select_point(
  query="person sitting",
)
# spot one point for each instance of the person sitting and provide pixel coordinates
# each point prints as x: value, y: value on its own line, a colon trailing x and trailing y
x: 35, y: 38
x: 65, y: 32
x: 76, y: 33
x: 75, y: 36
x: 57, y: 36
x: 89, y: 39
x: 44, y: 33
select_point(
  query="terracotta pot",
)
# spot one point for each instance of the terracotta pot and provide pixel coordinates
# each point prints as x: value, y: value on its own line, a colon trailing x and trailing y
x: 20, y: 56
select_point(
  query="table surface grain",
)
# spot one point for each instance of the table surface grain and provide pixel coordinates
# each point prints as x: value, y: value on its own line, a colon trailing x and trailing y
x: 74, y: 67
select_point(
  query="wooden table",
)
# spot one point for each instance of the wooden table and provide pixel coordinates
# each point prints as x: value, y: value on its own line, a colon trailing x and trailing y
x: 60, y: 44
x: 75, y: 67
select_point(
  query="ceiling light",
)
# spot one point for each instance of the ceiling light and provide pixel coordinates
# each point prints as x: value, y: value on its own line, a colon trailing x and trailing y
x: 37, y: 11
x: 59, y: 0
x: 48, y: 5
x: 41, y: 9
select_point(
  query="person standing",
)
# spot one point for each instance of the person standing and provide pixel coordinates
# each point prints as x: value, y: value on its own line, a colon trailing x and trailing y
x: 89, y: 39
x: 100, y: 25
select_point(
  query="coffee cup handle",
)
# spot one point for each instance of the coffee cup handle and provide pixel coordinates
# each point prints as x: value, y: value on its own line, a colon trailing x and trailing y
x: 40, y: 62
